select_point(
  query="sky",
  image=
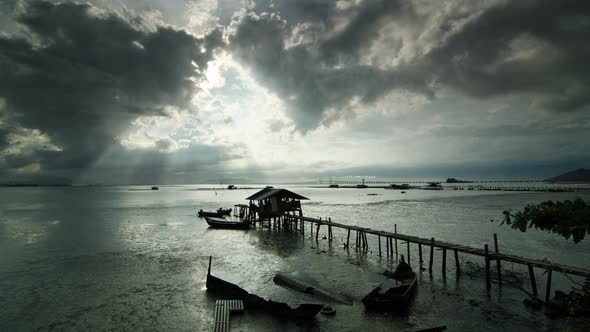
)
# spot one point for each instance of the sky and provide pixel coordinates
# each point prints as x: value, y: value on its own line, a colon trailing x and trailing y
x: 220, y: 91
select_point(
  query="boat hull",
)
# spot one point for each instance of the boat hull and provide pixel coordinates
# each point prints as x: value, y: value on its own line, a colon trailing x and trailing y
x: 224, y: 224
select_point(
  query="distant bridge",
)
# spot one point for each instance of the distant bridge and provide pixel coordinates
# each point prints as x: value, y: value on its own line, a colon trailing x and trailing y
x: 356, y: 180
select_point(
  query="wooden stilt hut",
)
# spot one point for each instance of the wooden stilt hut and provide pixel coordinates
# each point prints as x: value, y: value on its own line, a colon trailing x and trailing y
x: 271, y: 203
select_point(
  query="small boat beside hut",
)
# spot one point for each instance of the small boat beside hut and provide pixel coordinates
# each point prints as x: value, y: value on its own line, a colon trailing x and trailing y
x: 219, y: 213
x: 226, y: 224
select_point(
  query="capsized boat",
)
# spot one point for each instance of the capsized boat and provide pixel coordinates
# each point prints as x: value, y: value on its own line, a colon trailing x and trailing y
x: 226, y: 224
x: 251, y: 301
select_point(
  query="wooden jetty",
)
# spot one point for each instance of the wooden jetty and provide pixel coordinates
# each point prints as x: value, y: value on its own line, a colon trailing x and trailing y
x: 223, y: 309
x: 391, y: 239
x: 282, y: 209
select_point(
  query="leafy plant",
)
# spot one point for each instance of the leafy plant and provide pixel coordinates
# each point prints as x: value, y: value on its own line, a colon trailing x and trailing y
x: 567, y: 218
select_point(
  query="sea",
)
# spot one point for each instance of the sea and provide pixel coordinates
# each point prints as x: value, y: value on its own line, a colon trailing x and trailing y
x: 126, y: 258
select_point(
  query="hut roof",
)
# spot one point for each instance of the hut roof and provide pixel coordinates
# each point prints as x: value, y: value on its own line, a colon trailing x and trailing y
x: 271, y: 192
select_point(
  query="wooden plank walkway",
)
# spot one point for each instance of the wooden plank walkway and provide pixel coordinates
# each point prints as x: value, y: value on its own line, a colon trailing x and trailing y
x: 494, y: 256
x: 223, y: 309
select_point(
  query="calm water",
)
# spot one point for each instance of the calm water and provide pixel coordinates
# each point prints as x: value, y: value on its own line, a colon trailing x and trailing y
x: 111, y: 258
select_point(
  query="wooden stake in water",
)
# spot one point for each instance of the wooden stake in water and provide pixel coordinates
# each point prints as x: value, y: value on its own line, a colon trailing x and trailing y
x: 488, y: 278
x: 498, y: 261
x: 548, y: 289
x: 457, y: 268
x: 408, y: 250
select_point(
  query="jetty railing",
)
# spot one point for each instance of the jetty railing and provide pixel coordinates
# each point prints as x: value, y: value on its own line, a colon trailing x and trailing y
x: 391, y: 249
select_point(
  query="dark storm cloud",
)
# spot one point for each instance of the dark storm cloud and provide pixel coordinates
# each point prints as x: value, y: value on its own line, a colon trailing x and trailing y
x: 537, y: 48
x: 299, y: 74
x: 85, y: 74
x: 477, y: 59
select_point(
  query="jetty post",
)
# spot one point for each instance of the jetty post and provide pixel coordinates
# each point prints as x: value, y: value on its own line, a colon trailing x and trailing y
x: 395, y: 231
x: 348, y: 239
x: 444, y: 262
x: 431, y: 255
x: 420, y: 254
x: 533, y: 281
x: 379, y: 238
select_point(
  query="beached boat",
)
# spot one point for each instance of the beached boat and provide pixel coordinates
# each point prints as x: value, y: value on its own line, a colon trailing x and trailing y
x: 251, y: 301
x: 392, y: 294
x: 226, y: 224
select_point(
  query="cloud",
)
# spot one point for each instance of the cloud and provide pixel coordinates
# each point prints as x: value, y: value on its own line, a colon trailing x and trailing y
x: 301, y: 74
x: 534, y: 47
x: 327, y: 59
x: 84, y: 74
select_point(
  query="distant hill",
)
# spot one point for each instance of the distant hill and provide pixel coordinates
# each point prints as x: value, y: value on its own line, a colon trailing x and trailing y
x: 579, y: 175
x: 453, y: 180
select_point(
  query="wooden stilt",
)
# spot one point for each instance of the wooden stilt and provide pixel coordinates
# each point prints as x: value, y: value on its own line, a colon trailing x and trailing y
x: 379, y: 238
x: 431, y: 255
x: 420, y: 254
x: 444, y: 262
x: 395, y: 231
x: 498, y: 261
x: 457, y: 267
x: 408, y: 250
x: 487, y: 259
x: 348, y: 239
x: 391, y: 247
x: 387, y: 246
x: 317, y: 231
x: 548, y: 289
x: 533, y: 281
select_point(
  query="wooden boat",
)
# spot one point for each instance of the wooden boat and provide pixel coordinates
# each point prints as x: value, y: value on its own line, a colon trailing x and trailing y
x: 251, y: 301
x: 222, y: 223
x: 392, y: 294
